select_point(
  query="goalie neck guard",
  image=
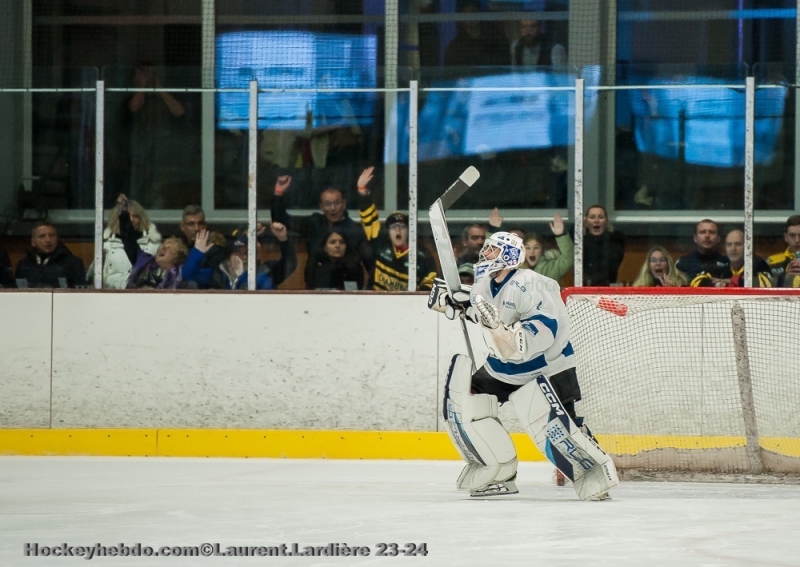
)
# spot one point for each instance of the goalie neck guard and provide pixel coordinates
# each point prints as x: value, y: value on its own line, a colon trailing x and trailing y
x: 500, y: 251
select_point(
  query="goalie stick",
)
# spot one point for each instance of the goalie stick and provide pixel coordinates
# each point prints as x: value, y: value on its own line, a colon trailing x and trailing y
x: 441, y: 236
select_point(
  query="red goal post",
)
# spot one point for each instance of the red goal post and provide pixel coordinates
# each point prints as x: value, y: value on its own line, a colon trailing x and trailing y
x: 682, y: 383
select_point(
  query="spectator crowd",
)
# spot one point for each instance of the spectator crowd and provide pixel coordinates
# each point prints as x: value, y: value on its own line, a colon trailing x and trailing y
x: 370, y: 254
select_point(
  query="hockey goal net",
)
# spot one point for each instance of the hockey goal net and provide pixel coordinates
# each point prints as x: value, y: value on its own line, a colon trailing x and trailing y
x: 689, y: 383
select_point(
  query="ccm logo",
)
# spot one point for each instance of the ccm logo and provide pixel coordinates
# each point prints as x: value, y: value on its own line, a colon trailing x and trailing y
x: 551, y: 397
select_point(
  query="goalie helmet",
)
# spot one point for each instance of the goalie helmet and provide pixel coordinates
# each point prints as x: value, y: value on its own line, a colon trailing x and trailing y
x: 508, y: 254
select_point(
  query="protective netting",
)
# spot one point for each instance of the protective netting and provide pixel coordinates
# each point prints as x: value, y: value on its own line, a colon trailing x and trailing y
x: 182, y: 33
x: 114, y: 34
x: 687, y: 146
x: 466, y: 34
x: 705, y: 32
x: 691, y: 386
x: 413, y: 33
x: 678, y: 136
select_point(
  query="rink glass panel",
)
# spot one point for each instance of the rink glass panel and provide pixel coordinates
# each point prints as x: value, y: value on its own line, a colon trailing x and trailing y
x: 153, y: 148
x: 680, y: 143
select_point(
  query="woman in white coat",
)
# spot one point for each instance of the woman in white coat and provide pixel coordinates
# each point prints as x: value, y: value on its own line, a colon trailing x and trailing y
x: 116, y: 265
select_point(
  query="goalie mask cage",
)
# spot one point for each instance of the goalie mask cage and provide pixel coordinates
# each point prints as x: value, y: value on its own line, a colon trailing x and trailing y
x: 691, y: 384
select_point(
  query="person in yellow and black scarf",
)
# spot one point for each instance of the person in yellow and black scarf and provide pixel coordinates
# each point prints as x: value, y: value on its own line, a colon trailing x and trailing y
x: 734, y: 277
x: 734, y: 248
x: 390, y: 251
x: 785, y: 265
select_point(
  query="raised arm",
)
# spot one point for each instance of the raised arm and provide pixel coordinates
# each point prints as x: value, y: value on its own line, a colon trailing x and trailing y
x: 126, y: 232
x: 191, y: 269
x: 565, y: 262
x: 287, y: 264
x: 278, y: 209
x: 366, y: 208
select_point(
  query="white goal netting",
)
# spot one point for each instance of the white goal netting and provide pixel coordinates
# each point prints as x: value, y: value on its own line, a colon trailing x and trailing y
x: 693, y: 385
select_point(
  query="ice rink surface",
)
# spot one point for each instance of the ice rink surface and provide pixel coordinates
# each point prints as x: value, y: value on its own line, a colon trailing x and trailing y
x: 261, y: 502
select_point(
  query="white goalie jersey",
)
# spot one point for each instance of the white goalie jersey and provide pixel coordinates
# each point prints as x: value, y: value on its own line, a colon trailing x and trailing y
x: 530, y: 309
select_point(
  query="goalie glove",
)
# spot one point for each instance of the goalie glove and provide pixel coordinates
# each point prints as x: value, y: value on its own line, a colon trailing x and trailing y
x: 488, y: 314
x: 506, y: 342
x: 441, y: 300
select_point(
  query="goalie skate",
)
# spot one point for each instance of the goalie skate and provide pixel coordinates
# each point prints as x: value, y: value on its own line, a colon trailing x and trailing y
x: 496, y: 488
x: 603, y: 496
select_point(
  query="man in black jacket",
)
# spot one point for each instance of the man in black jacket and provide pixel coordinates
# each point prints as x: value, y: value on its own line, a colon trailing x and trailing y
x: 315, y: 227
x: 49, y: 263
x: 705, y: 261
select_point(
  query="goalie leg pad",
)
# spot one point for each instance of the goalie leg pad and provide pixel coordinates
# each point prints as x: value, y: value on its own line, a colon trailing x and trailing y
x: 478, y: 435
x: 546, y: 421
x: 466, y: 475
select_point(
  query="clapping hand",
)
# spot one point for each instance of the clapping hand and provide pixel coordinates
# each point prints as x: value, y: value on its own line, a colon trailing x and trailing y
x: 237, y: 265
x: 279, y: 231
x: 557, y: 226
x: 282, y: 184
x: 364, y: 179
x: 201, y: 241
x: 495, y: 219
x: 122, y: 202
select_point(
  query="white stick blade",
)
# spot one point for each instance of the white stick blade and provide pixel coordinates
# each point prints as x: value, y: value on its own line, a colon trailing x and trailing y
x: 470, y: 176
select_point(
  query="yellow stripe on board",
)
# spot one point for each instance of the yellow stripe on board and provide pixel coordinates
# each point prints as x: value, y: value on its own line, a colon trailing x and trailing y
x: 312, y: 444
x: 98, y: 442
x: 241, y: 443
x: 305, y: 444
x: 632, y: 444
x: 782, y: 445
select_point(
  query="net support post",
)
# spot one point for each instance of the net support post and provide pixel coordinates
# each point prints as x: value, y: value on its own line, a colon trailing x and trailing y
x: 27, y: 97
x: 749, y: 163
x: 797, y: 106
x: 99, y: 181
x: 413, y: 98
x: 578, y: 189
x: 746, y: 389
x: 252, y: 155
x: 208, y: 104
x: 390, y: 55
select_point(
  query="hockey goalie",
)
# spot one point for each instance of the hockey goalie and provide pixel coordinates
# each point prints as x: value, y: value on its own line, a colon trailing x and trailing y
x: 531, y: 364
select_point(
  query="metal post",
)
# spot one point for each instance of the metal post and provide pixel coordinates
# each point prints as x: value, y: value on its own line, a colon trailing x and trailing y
x: 796, y: 110
x: 252, y: 155
x: 99, y: 180
x: 594, y: 43
x: 743, y: 374
x: 391, y: 45
x: 207, y: 116
x: 27, y: 98
x: 749, y: 157
x: 578, y: 190
x: 413, y: 94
